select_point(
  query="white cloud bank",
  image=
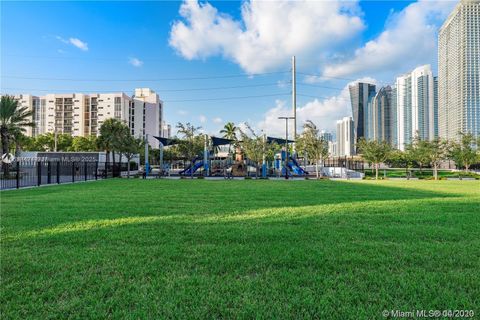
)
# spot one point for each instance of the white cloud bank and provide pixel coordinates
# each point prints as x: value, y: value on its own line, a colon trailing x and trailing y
x: 324, y: 113
x: 269, y: 32
x: 409, y: 40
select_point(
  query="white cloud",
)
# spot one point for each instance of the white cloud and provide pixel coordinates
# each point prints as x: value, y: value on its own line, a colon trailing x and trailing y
x: 135, y: 62
x: 182, y: 112
x: 79, y: 44
x: 75, y: 42
x: 217, y: 120
x: 268, y: 33
x: 409, y: 40
x: 202, y: 118
x: 323, y: 112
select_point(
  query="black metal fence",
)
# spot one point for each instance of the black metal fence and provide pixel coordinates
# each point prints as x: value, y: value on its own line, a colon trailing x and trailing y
x: 29, y: 173
x: 345, y: 162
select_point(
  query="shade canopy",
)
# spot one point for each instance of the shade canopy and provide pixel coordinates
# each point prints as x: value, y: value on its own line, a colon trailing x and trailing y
x: 220, y: 141
x: 278, y: 140
x: 167, y: 141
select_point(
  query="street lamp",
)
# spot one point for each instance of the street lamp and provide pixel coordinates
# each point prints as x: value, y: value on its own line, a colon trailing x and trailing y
x: 286, y: 142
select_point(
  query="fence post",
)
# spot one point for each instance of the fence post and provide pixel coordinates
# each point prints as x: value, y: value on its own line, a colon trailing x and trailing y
x: 85, y: 167
x: 96, y: 170
x: 73, y: 171
x: 18, y: 174
x: 49, y: 172
x: 58, y: 172
x: 39, y: 174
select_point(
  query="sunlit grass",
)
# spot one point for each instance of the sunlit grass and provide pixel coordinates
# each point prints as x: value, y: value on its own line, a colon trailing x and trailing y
x: 239, y: 249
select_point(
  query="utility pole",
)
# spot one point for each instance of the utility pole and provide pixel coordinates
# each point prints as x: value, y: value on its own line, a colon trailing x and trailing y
x: 147, y: 166
x: 286, y: 143
x: 294, y: 103
x: 205, y: 156
x: 264, y: 163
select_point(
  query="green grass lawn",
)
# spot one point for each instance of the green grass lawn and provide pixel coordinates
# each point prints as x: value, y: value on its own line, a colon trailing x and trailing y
x: 134, y: 249
x: 424, y: 174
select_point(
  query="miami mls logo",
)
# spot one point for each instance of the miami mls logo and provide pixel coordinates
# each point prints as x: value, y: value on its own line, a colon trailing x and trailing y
x: 8, y: 158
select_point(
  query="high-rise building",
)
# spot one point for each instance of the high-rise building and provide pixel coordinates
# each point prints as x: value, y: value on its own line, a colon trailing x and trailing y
x: 345, y: 137
x: 369, y: 120
x: 435, y: 106
x: 360, y: 94
x: 459, y: 71
x: 415, y: 106
x: 394, y: 138
x: 332, y: 148
x: 166, y: 130
x: 37, y: 106
x: 325, y: 135
x: 147, y: 114
x: 81, y: 114
x: 381, y: 120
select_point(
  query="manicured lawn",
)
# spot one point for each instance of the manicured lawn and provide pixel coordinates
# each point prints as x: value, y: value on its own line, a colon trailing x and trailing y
x: 134, y: 249
x: 424, y: 174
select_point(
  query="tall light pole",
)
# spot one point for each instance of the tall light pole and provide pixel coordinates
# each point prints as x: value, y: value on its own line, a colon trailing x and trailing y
x: 294, y: 102
x: 286, y: 143
x: 55, y: 138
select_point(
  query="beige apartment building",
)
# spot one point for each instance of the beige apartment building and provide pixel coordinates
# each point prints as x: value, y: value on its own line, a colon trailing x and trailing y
x: 81, y: 114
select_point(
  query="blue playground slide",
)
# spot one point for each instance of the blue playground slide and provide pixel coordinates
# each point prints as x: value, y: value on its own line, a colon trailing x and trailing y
x: 192, y: 164
x: 196, y: 166
x: 295, y: 167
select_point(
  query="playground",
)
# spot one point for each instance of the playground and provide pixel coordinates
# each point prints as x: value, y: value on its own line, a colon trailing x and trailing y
x: 217, y: 159
x: 161, y: 248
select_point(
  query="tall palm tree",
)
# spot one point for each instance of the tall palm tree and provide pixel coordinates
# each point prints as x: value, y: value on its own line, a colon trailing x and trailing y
x: 14, y: 120
x: 229, y: 131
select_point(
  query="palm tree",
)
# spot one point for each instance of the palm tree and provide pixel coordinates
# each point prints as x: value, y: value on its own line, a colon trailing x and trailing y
x: 109, y: 139
x: 13, y: 120
x: 229, y: 131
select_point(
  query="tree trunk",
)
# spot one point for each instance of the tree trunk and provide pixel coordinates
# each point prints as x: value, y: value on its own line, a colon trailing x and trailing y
x: 5, y: 147
x: 316, y: 168
x: 113, y: 163
x: 17, y: 149
x: 376, y: 170
x: 128, y: 168
x: 435, y: 171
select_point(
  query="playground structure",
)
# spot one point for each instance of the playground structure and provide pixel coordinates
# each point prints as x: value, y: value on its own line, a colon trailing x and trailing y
x: 215, y: 163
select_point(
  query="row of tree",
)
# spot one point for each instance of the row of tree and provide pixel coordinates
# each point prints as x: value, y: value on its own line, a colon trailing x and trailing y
x: 422, y: 153
x: 114, y: 137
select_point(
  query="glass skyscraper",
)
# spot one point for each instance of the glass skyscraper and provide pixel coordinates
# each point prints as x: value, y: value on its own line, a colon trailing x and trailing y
x: 360, y: 94
x: 459, y: 71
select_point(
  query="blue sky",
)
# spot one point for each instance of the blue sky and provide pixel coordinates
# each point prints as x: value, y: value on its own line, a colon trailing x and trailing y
x: 102, y: 46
